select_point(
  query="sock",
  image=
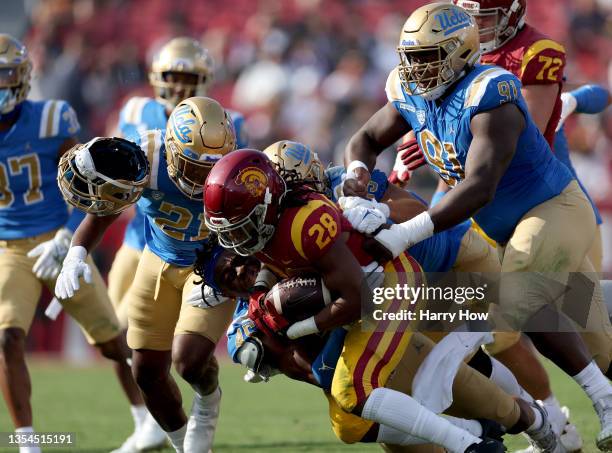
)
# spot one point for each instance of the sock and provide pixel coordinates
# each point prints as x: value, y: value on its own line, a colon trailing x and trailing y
x: 404, y: 413
x: 471, y: 426
x: 392, y: 436
x: 555, y: 414
x: 503, y: 377
x: 593, y: 382
x: 537, y: 423
x: 139, y: 414
x: 29, y: 449
x: 177, y: 437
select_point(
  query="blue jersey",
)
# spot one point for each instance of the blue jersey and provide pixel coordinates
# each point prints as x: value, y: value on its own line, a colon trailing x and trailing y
x: 533, y: 176
x: 30, y: 200
x: 323, y: 366
x: 174, y: 225
x: 141, y: 114
x: 437, y: 253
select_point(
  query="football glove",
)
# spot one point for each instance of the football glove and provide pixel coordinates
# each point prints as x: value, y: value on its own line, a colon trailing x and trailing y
x: 203, y: 296
x: 73, y: 268
x: 50, y: 255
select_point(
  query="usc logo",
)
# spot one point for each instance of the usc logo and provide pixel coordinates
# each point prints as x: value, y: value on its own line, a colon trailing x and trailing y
x: 253, y: 179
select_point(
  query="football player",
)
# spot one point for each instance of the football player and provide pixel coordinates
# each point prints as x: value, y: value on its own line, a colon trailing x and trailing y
x: 292, y: 229
x: 476, y: 131
x: 35, y: 237
x: 181, y: 69
x: 162, y: 330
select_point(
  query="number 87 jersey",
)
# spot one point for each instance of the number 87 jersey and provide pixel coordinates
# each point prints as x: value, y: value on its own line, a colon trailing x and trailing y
x: 30, y: 200
x: 443, y: 131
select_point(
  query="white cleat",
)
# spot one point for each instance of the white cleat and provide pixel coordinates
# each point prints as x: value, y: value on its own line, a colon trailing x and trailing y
x: 129, y: 446
x: 202, y: 423
x: 604, y: 411
x: 570, y: 437
x: 544, y: 439
x: 150, y: 436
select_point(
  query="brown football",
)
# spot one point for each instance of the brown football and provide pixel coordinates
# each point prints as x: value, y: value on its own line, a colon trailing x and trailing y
x: 298, y: 298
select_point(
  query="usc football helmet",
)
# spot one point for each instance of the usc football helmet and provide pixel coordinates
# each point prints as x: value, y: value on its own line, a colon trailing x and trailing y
x: 498, y: 20
x: 437, y: 43
x: 297, y: 162
x: 15, y: 69
x: 242, y: 200
x: 103, y: 176
x: 181, y: 69
x: 199, y: 133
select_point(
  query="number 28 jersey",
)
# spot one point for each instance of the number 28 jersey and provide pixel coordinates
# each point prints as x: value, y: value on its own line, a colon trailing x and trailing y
x: 30, y: 201
x: 443, y: 131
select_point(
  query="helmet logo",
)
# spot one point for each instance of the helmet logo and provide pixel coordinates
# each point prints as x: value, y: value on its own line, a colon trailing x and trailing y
x: 253, y: 179
x: 299, y: 152
x: 182, y: 122
x: 469, y: 5
x: 453, y: 21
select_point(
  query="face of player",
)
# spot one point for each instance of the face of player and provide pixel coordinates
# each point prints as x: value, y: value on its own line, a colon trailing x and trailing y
x: 184, y: 84
x: 426, y: 66
x: 486, y: 26
x: 236, y: 274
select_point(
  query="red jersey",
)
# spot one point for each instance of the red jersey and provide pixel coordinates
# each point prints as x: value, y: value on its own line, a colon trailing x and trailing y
x: 535, y: 60
x: 306, y: 233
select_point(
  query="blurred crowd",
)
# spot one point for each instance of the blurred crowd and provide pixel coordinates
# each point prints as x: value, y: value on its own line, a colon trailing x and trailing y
x: 311, y: 70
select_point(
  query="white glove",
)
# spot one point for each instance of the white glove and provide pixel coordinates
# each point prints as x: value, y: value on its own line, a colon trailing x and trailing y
x: 74, y: 267
x: 205, y: 297
x: 347, y: 203
x: 400, y: 236
x: 374, y: 274
x: 568, y: 105
x: 302, y: 328
x: 365, y: 220
x: 50, y: 255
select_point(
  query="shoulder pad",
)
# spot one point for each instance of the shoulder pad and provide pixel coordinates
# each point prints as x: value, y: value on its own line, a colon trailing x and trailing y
x: 543, y: 63
x: 393, y: 87
x: 58, y: 119
x: 152, y: 143
x: 485, y: 90
x: 315, y: 227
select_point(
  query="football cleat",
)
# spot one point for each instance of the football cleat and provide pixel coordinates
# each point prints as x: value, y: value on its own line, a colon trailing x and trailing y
x: 129, y: 446
x: 202, y: 423
x: 487, y: 446
x: 544, y: 439
x: 604, y: 411
x: 150, y: 436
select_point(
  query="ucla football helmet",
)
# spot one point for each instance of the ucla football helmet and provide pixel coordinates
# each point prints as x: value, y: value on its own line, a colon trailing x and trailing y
x: 103, y: 176
x: 15, y: 69
x: 297, y: 162
x: 437, y: 43
x: 181, y: 69
x: 199, y: 133
x: 498, y: 20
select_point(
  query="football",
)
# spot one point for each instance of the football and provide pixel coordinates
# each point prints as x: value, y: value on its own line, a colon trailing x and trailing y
x: 298, y: 298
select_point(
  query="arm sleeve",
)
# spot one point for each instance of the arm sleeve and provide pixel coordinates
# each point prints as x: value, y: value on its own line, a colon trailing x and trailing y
x: 591, y: 99
x: 68, y: 122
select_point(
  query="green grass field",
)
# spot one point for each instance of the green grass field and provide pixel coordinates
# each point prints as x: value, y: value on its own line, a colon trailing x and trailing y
x: 281, y: 416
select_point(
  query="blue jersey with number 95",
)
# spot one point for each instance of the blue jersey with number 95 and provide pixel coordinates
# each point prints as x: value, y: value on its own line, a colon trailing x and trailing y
x: 443, y: 131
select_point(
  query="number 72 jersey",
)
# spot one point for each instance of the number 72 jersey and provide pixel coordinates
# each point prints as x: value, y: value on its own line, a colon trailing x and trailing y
x: 443, y: 131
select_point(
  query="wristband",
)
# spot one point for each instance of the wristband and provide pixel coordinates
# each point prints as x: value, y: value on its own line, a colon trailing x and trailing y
x: 302, y: 328
x: 354, y: 165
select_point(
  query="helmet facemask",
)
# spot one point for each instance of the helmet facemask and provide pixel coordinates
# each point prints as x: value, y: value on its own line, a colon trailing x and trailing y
x: 89, y: 190
x: 172, y: 87
x: 248, y: 235
x: 427, y: 71
x: 14, y: 85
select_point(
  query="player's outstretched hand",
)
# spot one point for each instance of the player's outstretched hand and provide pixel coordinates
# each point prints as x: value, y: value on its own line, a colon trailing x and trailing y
x: 366, y: 216
x: 356, y: 182
x: 73, y: 268
x: 203, y: 296
x: 50, y: 255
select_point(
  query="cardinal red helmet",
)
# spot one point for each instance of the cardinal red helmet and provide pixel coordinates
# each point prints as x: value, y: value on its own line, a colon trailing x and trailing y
x: 242, y: 195
x: 498, y: 20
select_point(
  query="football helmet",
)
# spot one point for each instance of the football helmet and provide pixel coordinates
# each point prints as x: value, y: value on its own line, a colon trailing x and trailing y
x: 297, y: 162
x: 103, y: 176
x: 199, y: 133
x: 498, y: 20
x: 15, y: 69
x: 181, y: 69
x: 242, y: 199
x: 437, y: 43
